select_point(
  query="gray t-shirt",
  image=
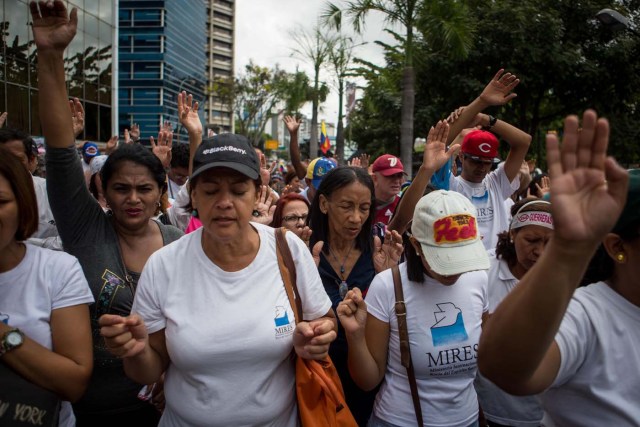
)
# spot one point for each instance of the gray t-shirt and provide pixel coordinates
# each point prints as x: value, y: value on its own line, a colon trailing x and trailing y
x: 87, y: 233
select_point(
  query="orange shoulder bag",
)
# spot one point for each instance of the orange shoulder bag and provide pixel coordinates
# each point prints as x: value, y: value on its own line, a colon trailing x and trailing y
x: 321, y: 401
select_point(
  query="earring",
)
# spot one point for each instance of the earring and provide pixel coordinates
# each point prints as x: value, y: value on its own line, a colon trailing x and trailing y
x: 159, y: 204
x: 194, y: 213
x: 620, y: 257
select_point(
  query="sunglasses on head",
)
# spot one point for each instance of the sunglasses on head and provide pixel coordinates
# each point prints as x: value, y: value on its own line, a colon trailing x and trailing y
x: 476, y: 159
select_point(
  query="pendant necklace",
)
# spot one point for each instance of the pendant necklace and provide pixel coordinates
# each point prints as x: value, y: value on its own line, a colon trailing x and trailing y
x: 343, y: 288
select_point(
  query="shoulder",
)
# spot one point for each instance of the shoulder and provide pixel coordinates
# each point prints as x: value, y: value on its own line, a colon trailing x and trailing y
x: 177, y: 247
x: 169, y: 232
x: 48, y: 258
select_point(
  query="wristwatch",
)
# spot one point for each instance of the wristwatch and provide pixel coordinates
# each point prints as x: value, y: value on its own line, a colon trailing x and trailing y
x: 11, y: 340
x: 492, y: 122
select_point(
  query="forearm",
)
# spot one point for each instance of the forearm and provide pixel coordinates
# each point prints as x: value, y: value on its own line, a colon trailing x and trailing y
x: 363, y: 368
x: 523, y: 327
x: 519, y: 142
x: 55, y: 115
x: 466, y: 118
x: 145, y: 367
x: 294, y: 152
x: 195, y: 139
x: 413, y: 194
x: 47, y: 369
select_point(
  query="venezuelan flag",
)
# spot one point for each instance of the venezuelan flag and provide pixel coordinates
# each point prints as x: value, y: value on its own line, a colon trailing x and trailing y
x: 325, y: 144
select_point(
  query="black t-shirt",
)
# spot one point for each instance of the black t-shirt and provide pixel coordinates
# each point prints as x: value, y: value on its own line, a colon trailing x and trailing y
x: 87, y: 233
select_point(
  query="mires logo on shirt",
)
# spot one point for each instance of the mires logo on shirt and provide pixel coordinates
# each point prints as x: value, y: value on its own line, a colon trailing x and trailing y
x: 449, y: 329
x: 284, y: 321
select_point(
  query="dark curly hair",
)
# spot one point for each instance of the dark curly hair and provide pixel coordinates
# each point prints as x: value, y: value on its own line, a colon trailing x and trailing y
x: 138, y: 154
x: 505, y: 248
x: 180, y: 156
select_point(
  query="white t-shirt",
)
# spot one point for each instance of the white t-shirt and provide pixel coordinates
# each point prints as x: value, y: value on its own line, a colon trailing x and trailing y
x: 444, y: 324
x: 500, y: 406
x: 44, y: 281
x: 488, y: 197
x: 599, y: 375
x: 228, y: 334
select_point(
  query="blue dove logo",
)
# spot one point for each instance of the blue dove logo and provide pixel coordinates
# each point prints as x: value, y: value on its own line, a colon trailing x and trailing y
x: 282, y: 317
x: 449, y: 326
x: 4, y: 318
x: 480, y: 199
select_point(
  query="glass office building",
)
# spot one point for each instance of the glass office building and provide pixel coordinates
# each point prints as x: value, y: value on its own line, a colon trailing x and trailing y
x: 88, y: 64
x: 161, y: 52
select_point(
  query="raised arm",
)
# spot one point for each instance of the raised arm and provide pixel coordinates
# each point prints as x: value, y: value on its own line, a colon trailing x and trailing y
x: 188, y: 115
x: 435, y: 156
x: 53, y: 30
x: 498, y: 91
x: 517, y: 349
x: 294, y: 147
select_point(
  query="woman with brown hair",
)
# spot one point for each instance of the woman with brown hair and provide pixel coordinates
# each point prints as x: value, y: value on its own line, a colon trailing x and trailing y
x: 45, y: 340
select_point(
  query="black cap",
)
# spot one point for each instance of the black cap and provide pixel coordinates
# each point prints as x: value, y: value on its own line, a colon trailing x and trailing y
x: 227, y: 150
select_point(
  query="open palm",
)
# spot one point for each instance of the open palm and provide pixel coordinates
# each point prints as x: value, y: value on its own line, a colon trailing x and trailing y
x: 53, y: 29
x: 498, y: 91
x: 588, y: 190
x: 435, y: 150
x: 188, y: 113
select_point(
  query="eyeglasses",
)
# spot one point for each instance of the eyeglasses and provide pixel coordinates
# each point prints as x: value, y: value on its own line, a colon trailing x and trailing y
x: 295, y: 218
x: 478, y: 160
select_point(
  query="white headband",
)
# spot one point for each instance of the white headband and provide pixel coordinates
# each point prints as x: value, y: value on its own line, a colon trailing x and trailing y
x: 543, y: 219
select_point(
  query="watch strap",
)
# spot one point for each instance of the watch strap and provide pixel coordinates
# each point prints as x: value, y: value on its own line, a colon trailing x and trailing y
x: 5, y: 347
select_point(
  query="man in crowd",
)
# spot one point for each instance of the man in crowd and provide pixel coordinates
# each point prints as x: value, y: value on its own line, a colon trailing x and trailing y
x: 388, y: 176
x: 179, y: 170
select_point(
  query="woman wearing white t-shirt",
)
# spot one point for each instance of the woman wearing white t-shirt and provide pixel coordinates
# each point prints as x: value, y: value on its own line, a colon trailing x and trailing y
x: 518, y: 250
x: 446, y: 300
x: 581, y: 347
x: 212, y: 310
x: 44, y: 317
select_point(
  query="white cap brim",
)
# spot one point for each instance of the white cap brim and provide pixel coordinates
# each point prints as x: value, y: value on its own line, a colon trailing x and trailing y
x: 449, y: 261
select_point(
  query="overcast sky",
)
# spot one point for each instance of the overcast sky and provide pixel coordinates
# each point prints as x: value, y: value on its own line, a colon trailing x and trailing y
x: 262, y: 29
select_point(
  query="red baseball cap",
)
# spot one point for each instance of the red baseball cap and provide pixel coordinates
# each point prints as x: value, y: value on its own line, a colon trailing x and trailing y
x: 388, y: 165
x: 480, y: 143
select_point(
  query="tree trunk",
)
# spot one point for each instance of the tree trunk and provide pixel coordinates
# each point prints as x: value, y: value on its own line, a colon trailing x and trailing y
x: 340, y: 127
x: 406, y: 126
x: 313, y: 141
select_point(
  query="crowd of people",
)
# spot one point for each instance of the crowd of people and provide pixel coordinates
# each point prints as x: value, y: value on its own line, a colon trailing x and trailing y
x: 141, y: 285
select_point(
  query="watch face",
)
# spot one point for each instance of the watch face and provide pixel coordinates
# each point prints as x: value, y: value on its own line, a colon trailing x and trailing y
x: 14, y: 339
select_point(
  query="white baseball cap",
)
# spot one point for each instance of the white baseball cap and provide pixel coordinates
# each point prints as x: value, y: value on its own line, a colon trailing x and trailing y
x: 444, y: 222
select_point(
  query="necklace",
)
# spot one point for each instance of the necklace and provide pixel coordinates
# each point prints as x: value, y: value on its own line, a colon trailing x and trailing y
x: 343, y: 288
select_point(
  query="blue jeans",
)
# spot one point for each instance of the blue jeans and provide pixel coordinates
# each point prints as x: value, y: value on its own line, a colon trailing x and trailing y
x: 377, y: 422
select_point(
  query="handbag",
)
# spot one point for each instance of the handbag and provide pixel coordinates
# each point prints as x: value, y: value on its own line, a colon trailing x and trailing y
x: 405, y: 349
x: 321, y: 401
x: 23, y: 403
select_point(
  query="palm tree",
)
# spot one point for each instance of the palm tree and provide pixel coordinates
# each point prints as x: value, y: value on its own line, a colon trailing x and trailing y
x: 455, y: 33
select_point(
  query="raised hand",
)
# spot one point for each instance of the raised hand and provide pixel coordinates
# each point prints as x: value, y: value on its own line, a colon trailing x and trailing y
x: 311, y: 339
x: 265, y: 206
x: 123, y: 336
x: 455, y: 115
x: 589, y: 190
x: 305, y: 235
x: 292, y: 124
x: 134, y: 132
x: 188, y: 113
x: 436, y: 154
x: 111, y: 145
x: 388, y: 254
x: 498, y: 91
x: 3, y: 118
x: 352, y: 312
x: 77, y: 116
x: 53, y: 28
x: 162, y: 149
x: 364, y: 160
x: 355, y: 162
x: 544, y: 187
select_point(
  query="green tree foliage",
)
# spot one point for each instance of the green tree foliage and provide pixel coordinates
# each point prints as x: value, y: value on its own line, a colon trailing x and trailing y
x: 566, y: 61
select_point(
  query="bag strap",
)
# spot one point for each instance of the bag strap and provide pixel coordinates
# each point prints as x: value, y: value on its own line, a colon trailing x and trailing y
x: 405, y: 349
x: 288, y: 272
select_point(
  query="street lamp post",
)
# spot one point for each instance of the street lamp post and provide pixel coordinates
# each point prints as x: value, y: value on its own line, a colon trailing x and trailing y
x: 616, y: 21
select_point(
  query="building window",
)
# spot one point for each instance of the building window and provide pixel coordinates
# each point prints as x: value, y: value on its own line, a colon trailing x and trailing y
x: 146, y: 70
x: 147, y: 43
x: 146, y: 96
x: 147, y: 18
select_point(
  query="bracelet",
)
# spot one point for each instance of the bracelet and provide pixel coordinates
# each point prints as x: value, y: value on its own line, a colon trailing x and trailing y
x: 492, y: 121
